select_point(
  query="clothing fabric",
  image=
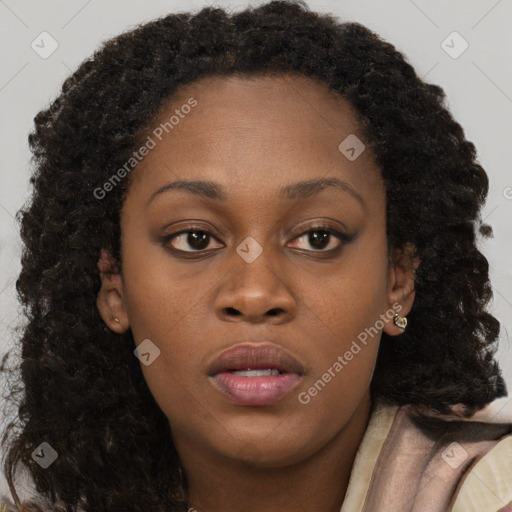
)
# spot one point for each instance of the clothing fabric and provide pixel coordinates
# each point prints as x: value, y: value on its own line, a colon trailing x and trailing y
x: 441, y: 464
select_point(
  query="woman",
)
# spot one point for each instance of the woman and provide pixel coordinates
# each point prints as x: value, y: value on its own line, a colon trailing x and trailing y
x: 252, y: 280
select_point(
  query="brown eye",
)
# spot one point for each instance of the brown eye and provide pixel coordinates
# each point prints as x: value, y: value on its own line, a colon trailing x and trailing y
x: 321, y: 237
x: 194, y: 239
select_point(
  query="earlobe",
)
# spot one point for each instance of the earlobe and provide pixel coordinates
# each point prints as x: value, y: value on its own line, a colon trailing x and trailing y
x: 401, y: 292
x: 110, y: 300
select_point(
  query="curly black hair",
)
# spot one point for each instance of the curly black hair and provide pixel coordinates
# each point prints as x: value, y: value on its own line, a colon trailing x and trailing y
x: 79, y: 386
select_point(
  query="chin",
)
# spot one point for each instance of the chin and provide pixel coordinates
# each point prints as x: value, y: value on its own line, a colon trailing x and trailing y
x: 265, y: 453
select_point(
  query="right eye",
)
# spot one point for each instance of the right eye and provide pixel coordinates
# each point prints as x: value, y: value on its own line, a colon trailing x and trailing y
x: 194, y: 237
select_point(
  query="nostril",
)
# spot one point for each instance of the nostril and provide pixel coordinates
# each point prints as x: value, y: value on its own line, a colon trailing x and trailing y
x: 232, y: 311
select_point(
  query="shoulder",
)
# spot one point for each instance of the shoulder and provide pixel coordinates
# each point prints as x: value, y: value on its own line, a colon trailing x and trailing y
x: 439, y: 462
x: 479, y: 449
x: 488, y: 485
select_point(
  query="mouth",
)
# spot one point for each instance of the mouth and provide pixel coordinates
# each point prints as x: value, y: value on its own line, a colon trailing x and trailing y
x: 270, y: 372
x: 255, y: 374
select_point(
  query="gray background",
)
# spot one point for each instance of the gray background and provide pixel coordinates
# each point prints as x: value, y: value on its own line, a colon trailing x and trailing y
x: 478, y: 85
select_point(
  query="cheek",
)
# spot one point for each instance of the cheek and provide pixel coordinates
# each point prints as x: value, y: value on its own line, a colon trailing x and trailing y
x: 160, y: 296
x: 169, y: 304
x: 354, y: 295
x: 348, y: 314
x: 171, y: 318
x: 346, y: 344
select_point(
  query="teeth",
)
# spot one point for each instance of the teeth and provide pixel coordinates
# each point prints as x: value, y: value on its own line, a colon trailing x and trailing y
x: 257, y: 373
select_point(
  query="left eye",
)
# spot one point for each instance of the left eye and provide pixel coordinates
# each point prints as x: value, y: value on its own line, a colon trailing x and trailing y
x: 320, y: 237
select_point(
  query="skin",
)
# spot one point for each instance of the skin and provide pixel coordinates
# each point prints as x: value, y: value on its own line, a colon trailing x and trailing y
x: 254, y: 136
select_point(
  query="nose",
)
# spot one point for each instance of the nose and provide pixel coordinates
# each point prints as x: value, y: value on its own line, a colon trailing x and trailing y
x: 255, y: 292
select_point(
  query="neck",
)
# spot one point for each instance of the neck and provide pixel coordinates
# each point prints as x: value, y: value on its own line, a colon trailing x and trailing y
x: 317, y: 484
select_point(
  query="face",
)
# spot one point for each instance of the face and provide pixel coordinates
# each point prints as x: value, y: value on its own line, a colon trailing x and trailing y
x: 283, y: 252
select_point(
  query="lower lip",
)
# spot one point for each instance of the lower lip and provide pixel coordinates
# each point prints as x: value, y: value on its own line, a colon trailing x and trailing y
x: 255, y: 390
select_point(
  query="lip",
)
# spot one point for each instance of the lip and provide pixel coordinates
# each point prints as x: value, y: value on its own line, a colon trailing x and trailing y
x: 261, y: 390
x: 254, y: 356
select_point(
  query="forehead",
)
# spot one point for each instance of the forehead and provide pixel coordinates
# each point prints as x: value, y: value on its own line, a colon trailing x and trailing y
x: 260, y: 103
x: 252, y: 129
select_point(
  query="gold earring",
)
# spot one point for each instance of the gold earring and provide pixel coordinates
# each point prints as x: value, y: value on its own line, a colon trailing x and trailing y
x: 116, y: 320
x: 400, y: 321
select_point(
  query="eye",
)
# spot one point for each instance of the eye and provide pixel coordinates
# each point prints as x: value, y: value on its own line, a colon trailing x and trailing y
x: 195, y: 237
x: 320, y: 237
x: 198, y: 239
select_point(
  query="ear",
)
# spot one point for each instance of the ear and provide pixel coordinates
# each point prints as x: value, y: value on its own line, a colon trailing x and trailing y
x: 403, y: 263
x: 110, y: 300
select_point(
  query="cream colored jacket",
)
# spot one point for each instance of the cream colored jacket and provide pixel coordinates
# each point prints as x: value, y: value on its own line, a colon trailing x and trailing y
x: 459, y: 466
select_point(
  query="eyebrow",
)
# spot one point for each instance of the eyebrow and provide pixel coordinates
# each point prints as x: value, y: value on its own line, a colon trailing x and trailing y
x: 299, y: 190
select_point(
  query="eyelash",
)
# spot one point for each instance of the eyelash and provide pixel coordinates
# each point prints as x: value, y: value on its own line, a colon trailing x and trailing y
x: 343, y: 237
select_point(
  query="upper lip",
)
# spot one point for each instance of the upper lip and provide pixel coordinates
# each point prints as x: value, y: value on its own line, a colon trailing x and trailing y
x: 255, y: 356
